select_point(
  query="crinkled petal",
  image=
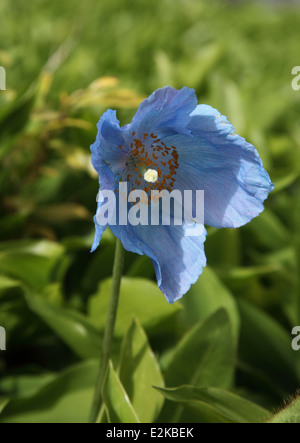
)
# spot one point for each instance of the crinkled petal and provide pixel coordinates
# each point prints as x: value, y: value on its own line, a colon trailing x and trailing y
x: 98, y: 234
x: 178, y: 259
x: 110, y: 208
x: 225, y: 166
x: 109, y: 152
x: 166, y: 111
x: 108, y: 160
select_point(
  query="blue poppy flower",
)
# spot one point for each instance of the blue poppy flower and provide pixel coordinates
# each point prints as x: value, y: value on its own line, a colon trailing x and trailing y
x: 174, y: 143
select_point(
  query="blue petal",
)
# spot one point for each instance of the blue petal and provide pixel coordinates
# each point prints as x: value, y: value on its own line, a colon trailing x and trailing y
x: 178, y: 259
x: 98, y: 235
x: 166, y: 111
x: 100, y: 228
x: 108, y: 158
x: 225, y: 166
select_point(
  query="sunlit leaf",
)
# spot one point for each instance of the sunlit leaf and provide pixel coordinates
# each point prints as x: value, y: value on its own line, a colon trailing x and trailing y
x: 138, y: 372
x: 34, y: 262
x: 118, y: 406
x: 212, y: 405
x: 66, y: 399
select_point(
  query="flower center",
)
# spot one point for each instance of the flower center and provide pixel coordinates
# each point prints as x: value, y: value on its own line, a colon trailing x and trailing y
x: 151, y: 164
x: 151, y: 175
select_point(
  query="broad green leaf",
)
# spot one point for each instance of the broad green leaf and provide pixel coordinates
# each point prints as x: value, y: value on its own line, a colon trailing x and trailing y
x: 34, y: 262
x: 118, y: 406
x: 205, y: 356
x: 138, y: 372
x: 207, y: 296
x: 290, y: 414
x: 73, y: 328
x: 213, y: 405
x: 67, y: 399
x: 139, y: 298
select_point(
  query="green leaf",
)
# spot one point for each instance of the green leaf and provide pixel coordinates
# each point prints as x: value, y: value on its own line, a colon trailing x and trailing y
x: 118, y: 406
x: 24, y: 385
x: 73, y: 328
x: 290, y: 414
x: 205, y: 356
x: 207, y: 296
x: 139, y: 298
x: 34, y: 262
x: 67, y: 399
x: 138, y: 372
x: 213, y: 405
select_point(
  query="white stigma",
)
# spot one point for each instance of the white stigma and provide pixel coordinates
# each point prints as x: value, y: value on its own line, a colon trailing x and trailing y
x: 151, y: 175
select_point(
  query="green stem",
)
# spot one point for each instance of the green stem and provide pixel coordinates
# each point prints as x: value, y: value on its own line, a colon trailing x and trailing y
x: 109, y: 328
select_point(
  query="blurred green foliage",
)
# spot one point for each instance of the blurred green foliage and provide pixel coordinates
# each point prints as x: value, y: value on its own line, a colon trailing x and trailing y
x: 229, y: 340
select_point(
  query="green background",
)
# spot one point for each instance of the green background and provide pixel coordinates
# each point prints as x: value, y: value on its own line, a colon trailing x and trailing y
x: 221, y: 354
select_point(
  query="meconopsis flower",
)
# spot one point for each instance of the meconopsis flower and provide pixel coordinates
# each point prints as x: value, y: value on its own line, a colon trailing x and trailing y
x: 173, y: 144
